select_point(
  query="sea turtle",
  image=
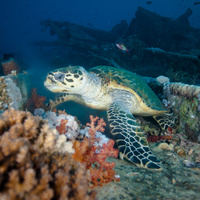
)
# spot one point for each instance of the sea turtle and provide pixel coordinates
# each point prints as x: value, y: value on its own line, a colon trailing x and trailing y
x: 120, y: 92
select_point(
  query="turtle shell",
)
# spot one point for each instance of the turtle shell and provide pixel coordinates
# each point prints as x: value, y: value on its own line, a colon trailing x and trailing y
x: 125, y: 80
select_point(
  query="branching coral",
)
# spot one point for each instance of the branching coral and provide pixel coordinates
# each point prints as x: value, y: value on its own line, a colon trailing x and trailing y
x: 30, y: 166
x: 94, y: 157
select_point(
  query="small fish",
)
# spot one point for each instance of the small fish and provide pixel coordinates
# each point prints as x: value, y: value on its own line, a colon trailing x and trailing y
x: 196, y: 3
x: 89, y: 24
x: 122, y: 47
x: 191, y: 164
x: 149, y: 2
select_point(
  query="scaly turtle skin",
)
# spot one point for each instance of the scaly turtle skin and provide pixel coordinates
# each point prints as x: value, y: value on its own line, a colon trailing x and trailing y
x: 121, y: 93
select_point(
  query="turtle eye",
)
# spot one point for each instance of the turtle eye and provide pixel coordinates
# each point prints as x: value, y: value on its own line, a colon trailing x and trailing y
x: 59, y: 77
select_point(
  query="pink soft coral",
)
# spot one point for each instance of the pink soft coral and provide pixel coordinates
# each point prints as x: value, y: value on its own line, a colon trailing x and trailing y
x: 86, y: 152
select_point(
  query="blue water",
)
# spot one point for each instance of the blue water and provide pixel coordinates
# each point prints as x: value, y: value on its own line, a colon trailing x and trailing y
x: 20, y: 25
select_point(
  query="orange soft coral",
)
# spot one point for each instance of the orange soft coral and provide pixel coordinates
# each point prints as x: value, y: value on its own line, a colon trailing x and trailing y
x: 62, y: 129
x: 86, y: 152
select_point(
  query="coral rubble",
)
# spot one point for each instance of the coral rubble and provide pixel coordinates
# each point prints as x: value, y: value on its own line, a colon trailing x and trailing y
x: 30, y: 165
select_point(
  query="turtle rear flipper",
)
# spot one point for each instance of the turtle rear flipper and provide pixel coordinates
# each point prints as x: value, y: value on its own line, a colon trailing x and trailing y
x: 130, y: 138
x: 166, y: 120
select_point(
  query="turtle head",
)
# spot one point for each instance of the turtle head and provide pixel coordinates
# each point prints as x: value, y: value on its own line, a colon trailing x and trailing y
x: 70, y: 79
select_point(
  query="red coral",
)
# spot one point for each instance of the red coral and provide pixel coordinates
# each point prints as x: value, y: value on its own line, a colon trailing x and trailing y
x: 155, y: 138
x: 152, y: 138
x: 35, y: 101
x: 86, y: 152
x: 9, y: 66
x: 62, y: 129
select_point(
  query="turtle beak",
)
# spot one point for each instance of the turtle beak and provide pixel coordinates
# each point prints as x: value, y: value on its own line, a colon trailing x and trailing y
x: 50, y: 85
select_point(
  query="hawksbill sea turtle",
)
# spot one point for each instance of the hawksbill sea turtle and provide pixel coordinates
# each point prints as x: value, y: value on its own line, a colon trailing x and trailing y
x: 120, y: 92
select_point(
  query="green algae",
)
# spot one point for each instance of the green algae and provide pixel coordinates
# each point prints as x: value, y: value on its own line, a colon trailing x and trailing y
x: 189, y: 113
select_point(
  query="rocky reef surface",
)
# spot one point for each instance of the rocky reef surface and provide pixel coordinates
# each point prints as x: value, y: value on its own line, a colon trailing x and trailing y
x: 175, y: 181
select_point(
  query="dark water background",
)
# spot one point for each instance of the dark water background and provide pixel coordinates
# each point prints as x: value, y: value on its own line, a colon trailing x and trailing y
x: 20, y: 20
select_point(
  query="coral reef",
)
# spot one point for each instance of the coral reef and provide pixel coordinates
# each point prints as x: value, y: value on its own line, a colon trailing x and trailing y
x: 93, y: 149
x: 62, y: 127
x: 23, y: 82
x: 10, y: 94
x: 14, y: 93
x: 5, y: 99
x: 94, y: 157
x: 187, y: 108
x: 31, y: 167
x: 64, y: 123
x: 10, y: 66
x: 36, y: 101
x: 184, y: 101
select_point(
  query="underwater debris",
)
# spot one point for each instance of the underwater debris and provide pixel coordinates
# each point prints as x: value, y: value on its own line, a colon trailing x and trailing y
x: 182, y: 89
x: 93, y: 157
x: 30, y: 165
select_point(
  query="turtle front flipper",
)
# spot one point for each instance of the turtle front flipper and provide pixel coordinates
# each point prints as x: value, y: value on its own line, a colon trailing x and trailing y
x: 130, y: 138
x: 64, y: 98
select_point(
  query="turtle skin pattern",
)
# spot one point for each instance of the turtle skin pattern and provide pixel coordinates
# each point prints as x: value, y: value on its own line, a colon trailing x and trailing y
x: 130, y: 139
